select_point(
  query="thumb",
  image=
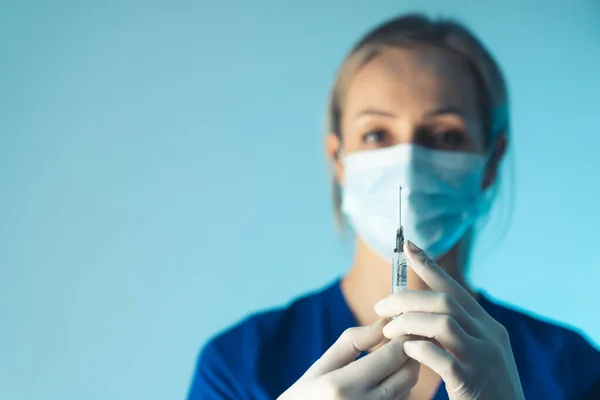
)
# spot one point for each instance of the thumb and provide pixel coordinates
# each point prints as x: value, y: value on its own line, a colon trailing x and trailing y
x: 349, y: 345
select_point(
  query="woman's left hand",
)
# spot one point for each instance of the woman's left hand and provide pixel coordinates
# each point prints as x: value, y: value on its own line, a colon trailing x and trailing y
x: 462, y: 343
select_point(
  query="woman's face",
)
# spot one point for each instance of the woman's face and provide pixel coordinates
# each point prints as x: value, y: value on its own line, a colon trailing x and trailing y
x: 424, y: 96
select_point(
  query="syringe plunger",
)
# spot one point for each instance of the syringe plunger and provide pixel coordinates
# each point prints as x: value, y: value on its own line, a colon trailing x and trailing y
x: 400, y: 232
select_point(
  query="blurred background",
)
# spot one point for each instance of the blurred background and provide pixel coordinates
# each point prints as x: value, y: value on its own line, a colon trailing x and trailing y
x: 162, y: 175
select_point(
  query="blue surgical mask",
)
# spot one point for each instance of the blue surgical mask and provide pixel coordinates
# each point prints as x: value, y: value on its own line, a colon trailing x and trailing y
x: 442, y: 196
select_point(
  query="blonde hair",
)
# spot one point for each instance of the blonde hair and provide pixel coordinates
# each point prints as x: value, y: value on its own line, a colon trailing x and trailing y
x: 409, y: 31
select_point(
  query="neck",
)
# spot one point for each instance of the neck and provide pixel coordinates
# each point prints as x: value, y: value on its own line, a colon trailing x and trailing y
x: 369, y: 279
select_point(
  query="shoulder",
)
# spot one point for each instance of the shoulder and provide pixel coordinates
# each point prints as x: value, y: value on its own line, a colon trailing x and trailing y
x: 546, y: 348
x: 230, y: 361
x: 550, y: 335
x: 265, y: 326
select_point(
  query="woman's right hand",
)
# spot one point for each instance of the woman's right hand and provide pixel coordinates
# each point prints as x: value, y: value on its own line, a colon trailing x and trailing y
x: 386, y: 373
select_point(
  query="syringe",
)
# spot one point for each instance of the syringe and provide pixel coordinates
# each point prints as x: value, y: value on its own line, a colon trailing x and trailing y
x: 399, y: 267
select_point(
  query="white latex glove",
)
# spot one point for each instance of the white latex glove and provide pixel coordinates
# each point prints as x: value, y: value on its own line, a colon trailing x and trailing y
x: 468, y: 349
x: 384, y: 374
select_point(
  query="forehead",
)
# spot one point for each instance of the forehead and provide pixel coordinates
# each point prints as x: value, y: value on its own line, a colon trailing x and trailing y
x: 412, y: 81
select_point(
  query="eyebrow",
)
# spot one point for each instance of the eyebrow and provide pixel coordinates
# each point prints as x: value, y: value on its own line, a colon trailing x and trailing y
x: 372, y: 111
x: 433, y: 113
x: 446, y: 110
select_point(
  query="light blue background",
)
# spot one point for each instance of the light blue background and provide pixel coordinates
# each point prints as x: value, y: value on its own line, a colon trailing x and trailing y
x: 162, y: 175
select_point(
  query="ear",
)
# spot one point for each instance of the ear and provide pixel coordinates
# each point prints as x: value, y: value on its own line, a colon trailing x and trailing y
x: 491, y: 170
x: 333, y: 146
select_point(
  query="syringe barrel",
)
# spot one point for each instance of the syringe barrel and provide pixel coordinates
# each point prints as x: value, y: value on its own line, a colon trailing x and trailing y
x: 399, y: 272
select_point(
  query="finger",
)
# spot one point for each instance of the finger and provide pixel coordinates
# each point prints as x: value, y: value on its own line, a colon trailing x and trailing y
x: 349, y: 345
x: 367, y: 372
x: 440, y: 361
x: 426, y: 301
x: 443, y: 328
x: 398, y: 384
x: 437, y: 279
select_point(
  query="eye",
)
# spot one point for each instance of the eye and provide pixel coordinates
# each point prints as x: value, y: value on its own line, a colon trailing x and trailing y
x: 450, y: 138
x: 375, y: 137
x: 443, y: 138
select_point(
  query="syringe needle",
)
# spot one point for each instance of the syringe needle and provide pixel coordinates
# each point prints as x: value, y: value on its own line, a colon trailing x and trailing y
x: 400, y: 207
x: 399, y: 272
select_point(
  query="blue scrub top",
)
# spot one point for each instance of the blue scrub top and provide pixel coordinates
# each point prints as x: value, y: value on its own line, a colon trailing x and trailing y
x: 265, y: 354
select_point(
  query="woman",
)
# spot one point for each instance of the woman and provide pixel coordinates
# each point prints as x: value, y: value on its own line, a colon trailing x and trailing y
x: 421, y: 104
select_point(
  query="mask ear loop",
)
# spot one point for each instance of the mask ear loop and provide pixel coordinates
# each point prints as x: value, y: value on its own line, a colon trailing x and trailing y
x: 338, y: 190
x: 493, y: 159
x: 493, y: 156
x: 497, y: 131
x: 336, y: 154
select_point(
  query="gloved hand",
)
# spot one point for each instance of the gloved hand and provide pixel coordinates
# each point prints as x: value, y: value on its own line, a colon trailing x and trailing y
x: 468, y: 349
x: 386, y: 373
